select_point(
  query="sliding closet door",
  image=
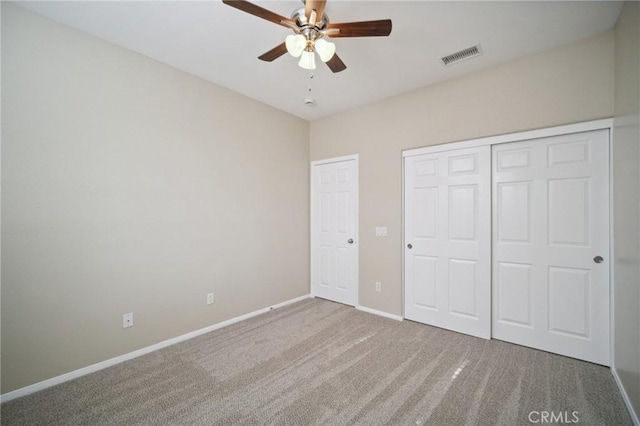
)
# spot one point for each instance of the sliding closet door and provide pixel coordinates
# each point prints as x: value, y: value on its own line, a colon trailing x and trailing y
x: 447, y: 240
x: 551, y: 244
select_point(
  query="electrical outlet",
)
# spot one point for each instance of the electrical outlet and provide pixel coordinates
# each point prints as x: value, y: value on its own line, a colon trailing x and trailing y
x: 127, y: 320
x: 378, y: 286
x: 210, y: 299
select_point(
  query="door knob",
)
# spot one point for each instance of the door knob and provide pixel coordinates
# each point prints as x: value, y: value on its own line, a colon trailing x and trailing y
x: 598, y: 259
x: 350, y: 240
x: 409, y: 246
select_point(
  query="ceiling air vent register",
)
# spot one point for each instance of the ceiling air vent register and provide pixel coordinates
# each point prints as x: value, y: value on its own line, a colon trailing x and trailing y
x: 468, y: 53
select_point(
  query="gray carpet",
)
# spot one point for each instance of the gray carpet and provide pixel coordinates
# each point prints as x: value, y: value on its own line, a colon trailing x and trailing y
x: 318, y: 362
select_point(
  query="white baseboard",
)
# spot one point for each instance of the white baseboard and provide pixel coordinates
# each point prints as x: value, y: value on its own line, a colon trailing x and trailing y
x: 380, y: 313
x: 625, y: 397
x: 131, y: 355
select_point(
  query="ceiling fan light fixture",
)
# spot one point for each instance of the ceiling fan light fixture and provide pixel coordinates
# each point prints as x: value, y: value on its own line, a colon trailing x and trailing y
x: 325, y: 49
x: 307, y: 60
x: 295, y: 43
x: 310, y: 24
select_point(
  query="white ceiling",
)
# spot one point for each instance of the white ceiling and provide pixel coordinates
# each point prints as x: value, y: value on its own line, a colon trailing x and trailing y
x: 221, y: 44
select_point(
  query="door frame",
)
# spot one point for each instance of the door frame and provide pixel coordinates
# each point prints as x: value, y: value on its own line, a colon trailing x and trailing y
x: 606, y: 123
x: 312, y: 236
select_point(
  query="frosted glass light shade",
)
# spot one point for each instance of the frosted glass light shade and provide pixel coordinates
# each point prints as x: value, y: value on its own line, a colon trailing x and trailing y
x: 295, y: 44
x: 307, y: 60
x: 325, y: 49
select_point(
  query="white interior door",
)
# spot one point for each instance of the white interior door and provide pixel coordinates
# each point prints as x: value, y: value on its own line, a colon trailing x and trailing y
x: 334, y: 225
x: 448, y: 240
x: 551, y: 244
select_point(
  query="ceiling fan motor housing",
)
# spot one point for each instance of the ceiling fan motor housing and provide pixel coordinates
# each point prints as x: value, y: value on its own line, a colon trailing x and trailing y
x: 299, y: 17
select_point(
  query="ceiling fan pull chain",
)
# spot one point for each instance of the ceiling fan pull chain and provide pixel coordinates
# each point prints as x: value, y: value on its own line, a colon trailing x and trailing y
x: 309, y: 101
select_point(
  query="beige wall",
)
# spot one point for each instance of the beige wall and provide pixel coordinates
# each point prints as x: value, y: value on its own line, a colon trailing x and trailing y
x: 626, y: 156
x: 570, y: 84
x: 130, y: 186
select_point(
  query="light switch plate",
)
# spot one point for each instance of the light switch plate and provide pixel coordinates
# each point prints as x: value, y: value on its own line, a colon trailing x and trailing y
x: 381, y: 231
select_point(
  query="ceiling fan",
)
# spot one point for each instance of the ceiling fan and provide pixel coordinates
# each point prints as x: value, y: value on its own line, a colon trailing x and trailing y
x: 311, y: 26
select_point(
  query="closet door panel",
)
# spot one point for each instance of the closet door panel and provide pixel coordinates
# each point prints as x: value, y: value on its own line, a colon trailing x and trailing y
x: 447, y: 240
x: 551, y: 244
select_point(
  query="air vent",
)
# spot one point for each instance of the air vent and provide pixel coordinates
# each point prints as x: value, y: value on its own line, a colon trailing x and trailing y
x: 469, y: 52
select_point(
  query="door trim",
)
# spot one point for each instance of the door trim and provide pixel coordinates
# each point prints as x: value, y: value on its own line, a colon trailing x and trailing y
x: 312, y: 236
x: 605, y: 123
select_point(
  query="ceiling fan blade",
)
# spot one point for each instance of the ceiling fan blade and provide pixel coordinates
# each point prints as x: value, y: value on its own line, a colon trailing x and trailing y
x: 379, y: 28
x: 260, y: 12
x: 335, y: 64
x: 274, y: 53
x: 318, y: 6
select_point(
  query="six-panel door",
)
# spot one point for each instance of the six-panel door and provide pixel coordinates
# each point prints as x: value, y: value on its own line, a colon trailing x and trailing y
x: 448, y: 241
x: 334, y: 268
x: 551, y: 244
